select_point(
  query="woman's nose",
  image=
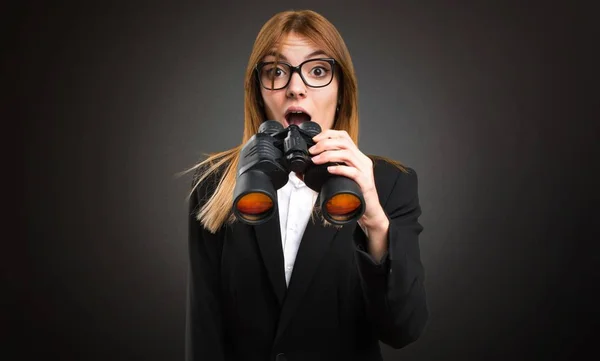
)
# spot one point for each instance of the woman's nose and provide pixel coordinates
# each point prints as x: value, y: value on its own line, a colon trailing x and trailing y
x: 296, y: 87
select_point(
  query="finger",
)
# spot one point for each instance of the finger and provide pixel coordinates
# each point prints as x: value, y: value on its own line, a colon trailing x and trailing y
x: 338, y: 156
x: 351, y: 155
x: 346, y: 171
x: 353, y: 173
x: 330, y: 133
x: 329, y: 144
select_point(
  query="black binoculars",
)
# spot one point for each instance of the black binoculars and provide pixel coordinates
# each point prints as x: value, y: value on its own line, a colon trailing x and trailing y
x: 264, y: 166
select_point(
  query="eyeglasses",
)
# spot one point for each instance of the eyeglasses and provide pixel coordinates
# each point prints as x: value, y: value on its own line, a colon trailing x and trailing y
x: 315, y: 73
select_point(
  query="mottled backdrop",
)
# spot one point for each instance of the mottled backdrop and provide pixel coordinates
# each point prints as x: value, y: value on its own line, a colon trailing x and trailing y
x: 484, y: 100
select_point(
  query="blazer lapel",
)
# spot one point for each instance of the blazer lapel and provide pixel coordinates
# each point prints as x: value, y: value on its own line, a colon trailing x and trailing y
x: 268, y: 237
x: 315, y: 243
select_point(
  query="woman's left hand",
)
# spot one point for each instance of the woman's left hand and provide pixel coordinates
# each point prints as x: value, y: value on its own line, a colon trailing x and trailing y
x: 337, y: 146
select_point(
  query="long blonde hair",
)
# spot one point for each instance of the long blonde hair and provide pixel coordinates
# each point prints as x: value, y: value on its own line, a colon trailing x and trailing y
x: 217, y: 209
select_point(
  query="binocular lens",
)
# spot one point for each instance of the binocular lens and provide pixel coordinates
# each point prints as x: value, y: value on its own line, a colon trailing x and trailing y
x: 253, y: 206
x: 342, y: 207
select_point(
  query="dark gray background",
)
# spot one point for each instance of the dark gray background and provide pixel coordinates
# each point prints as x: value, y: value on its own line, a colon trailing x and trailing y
x: 486, y: 102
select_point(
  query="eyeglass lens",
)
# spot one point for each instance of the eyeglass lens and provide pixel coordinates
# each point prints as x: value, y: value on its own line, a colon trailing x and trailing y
x: 314, y: 73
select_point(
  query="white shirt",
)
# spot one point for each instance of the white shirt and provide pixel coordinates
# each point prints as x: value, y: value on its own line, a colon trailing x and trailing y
x: 295, y: 203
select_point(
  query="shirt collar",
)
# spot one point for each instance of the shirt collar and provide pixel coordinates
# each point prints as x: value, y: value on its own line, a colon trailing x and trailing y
x: 296, y: 181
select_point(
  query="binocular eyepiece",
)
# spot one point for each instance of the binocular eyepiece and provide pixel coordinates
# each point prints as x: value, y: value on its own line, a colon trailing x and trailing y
x: 264, y: 166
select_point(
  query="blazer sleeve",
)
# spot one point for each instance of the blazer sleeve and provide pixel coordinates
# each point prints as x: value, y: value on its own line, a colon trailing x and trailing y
x: 204, y: 326
x: 393, y: 287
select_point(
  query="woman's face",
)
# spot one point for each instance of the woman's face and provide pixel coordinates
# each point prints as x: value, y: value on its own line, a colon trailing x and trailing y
x: 298, y: 102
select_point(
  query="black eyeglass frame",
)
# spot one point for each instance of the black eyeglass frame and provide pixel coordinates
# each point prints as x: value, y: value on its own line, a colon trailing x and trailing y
x: 295, y: 69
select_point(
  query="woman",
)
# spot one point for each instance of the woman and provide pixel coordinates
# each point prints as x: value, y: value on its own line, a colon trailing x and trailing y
x: 294, y: 288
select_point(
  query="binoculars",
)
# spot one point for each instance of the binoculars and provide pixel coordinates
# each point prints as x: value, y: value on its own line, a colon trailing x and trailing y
x: 264, y: 166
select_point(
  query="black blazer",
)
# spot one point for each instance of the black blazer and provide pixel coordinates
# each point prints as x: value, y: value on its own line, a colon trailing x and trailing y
x: 340, y: 302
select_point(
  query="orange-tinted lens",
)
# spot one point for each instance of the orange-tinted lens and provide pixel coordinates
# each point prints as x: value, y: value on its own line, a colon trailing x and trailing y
x: 253, y: 204
x: 342, y: 205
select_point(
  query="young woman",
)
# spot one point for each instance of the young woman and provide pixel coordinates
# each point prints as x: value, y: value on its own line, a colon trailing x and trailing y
x: 296, y: 288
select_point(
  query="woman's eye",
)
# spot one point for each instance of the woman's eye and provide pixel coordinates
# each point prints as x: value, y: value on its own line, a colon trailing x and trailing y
x: 275, y: 72
x: 318, y: 71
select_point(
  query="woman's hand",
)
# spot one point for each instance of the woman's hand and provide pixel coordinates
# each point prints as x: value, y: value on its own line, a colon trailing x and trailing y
x: 337, y: 146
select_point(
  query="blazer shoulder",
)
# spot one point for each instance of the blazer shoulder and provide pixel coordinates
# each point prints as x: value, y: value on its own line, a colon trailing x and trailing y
x: 391, y: 175
x: 386, y: 168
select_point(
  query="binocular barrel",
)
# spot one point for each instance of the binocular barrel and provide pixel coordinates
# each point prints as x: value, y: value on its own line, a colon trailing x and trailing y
x: 264, y: 166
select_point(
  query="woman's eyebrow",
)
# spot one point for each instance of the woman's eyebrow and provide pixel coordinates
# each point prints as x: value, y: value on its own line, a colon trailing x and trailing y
x: 276, y: 54
x: 315, y: 53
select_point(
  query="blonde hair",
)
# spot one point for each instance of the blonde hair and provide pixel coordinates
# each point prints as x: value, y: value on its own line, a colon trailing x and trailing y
x: 216, y: 211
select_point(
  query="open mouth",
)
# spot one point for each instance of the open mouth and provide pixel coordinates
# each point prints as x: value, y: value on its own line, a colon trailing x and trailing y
x: 296, y: 117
